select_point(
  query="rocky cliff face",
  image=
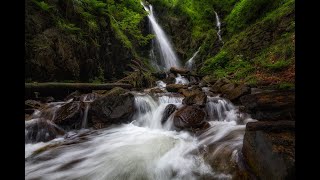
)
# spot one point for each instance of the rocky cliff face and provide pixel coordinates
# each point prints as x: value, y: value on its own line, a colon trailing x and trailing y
x: 61, y: 45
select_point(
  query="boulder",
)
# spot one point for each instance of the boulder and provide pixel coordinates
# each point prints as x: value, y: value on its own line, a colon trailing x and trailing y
x: 170, y: 108
x: 116, y: 91
x: 69, y: 116
x: 46, y: 99
x: 237, y: 92
x: 170, y: 79
x: 189, y: 92
x: 198, y: 99
x: 209, y: 79
x: 112, y: 109
x: 269, y: 149
x: 217, y: 85
x: 159, y: 75
x: 74, y: 95
x: 190, y: 118
x: 41, y: 130
x: 227, y: 88
x: 275, y: 105
x: 175, y: 87
x: 156, y: 90
x: 32, y: 104
x: 176, y: 70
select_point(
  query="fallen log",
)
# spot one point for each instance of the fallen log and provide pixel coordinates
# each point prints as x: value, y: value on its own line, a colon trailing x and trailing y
x: 60, y: 90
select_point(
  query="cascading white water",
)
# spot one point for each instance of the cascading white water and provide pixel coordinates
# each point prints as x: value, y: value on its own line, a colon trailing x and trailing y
x: 181, y: 80
x: 218, y: 24
x: 168, y: 57
x: 145, y: 148
x: 190, y: 63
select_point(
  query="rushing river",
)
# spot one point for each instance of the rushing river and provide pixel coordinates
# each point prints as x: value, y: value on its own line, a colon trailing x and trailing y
x: 144, y: 148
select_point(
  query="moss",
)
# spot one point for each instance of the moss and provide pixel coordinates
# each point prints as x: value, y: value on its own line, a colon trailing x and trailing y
x: 42, y: 5
x: 286, y: 86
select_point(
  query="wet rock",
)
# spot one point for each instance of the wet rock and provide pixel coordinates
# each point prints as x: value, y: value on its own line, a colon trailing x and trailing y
x: 209, y: 79
x: 112, y: 109
x: 176, y: 70
x: 116, y: 91
x: 47, y: 99
x: 41, y: 130
x: 270, y: 106
x: 198, y: 99
x: 269, y: 149
x: 32, y: 104
x: 170, y: 79
x: 257, y: 90
x: 189, y: 92
x: 175, y: 87
x: 227, y: 88
x: 159, y: 75
x: 235, y: 93
x: 170, y: 108
x: 216, y: 88
x: 190, y: 118
x: 156, y: 90
x: 69, y: 116
x: 74, y: 95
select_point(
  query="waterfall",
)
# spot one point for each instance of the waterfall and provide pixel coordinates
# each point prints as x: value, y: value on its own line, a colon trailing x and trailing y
x: 190, y: 63
x: 218, y: 25
x: 144, y: 148
x: 168, y: 57
x: 181, y: 80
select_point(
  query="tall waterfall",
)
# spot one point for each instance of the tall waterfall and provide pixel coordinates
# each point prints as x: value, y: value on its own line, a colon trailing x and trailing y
x: 168, y: 57
x: 190, y: 63
x: 219, y: 26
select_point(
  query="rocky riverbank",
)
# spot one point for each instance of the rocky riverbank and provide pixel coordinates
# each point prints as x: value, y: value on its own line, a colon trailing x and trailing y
x: 268, y: 150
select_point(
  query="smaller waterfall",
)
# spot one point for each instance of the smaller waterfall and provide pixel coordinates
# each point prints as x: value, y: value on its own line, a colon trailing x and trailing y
x: 218, y: 25
x: 190, y: 63
x: 181, y: 80
x: 220, y: 109
x: 87, y: 100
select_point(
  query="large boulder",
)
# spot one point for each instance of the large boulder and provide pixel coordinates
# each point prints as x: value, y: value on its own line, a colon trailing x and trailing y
x: 112, y: 109
x: 170, y: 79
x: 276, y: 105
x: 159, y: 75
x: 216, y: 88
x: 170, y: 108
x: 190, y: 118
x: 41, y: 130
x: 32, y: 104
x: 236, y: 93
x: 176, y: 70
x: 227, y: 88
x: 198, y: 99
x: 209, y: 79
x: 74, y: 95
x: 189, y: 92
x: 269, y: 149
x: 175, y: 87
x: 69, y: 116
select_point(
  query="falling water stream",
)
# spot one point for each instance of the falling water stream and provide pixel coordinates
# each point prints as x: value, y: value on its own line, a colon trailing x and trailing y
x: 218, y: 24
x: 168, y: 57
x: 190, y: 63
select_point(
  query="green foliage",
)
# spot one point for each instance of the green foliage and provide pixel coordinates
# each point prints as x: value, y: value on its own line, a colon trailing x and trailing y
x: 218, y: 61
x: 42, y: 5
x: 286, y: 85
x: 278, y: 65
x: 126, y: 17
x: 99, y: 78
x: 247, y: 12
x: 67, y: 27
